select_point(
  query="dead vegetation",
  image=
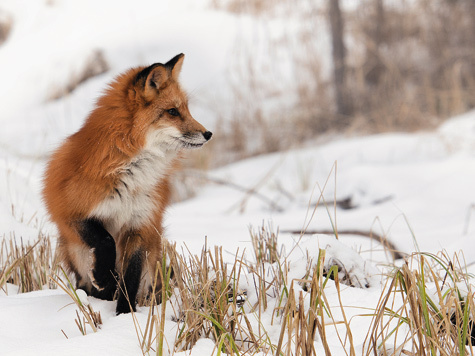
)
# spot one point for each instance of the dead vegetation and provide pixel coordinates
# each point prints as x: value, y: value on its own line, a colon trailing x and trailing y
x: 6, y: 24
x: 416, y: 67
x: 410, y: 65
x: 426, y: 306
x: 28, y: 266
x: 415, y: 319
x: 89, y: 316
x: 95, y: 65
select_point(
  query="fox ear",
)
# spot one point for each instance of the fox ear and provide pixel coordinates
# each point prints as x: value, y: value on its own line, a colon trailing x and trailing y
x: 157, y: 77
x: 154, y: 78
x: 174, y: 65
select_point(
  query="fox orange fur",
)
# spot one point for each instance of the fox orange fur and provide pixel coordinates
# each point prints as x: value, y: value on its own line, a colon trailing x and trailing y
x: 107, y: 186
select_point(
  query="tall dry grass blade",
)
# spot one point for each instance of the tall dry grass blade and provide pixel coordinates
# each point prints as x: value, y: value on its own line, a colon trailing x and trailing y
x: 93, y: 318
x: 345, y: 320
x: 306, y: 223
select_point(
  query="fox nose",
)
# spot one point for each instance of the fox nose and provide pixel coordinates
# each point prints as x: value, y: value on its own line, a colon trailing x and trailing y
x: 207, y: 135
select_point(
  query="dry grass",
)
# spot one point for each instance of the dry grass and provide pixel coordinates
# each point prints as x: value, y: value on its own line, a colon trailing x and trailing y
x: 413, y: 319
x: 209, y: 299
x: 79, y: 297
x: 408, y: 318
x: 27, y: 266
x: 425, y: 308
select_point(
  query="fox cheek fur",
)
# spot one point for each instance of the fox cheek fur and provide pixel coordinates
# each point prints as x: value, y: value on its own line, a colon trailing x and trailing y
x: 107, y: 186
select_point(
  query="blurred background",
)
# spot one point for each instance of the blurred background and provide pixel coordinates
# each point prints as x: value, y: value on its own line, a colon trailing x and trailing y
x: 348, y: 67
x: 263, y: 75
x: 266, y: 75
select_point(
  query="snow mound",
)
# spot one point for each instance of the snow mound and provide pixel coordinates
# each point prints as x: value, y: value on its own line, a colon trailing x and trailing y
x: 353, y: 270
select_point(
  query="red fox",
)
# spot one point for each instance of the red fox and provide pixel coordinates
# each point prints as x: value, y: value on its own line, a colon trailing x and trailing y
x: 107, y: 186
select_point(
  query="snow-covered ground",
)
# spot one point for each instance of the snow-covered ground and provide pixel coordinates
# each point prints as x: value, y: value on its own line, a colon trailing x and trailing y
x: 400, y: 185
x: 416, y: 189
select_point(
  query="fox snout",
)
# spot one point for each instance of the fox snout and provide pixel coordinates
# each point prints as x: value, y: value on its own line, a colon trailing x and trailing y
x: 195, y: 140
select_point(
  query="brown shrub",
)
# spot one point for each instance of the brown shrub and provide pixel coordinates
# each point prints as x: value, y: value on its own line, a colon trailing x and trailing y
x: 6, y: 24
x: 411, y: 65
x: 95, y: 65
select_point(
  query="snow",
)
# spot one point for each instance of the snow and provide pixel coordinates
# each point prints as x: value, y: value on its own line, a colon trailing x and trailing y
x: 399, y: 183
x: 416, y: 189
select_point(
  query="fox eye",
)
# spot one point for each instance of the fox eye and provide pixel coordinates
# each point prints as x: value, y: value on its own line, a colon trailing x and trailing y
x: 173, y: 112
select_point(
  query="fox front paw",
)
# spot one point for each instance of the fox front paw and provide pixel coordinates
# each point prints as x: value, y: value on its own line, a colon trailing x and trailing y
x: 104, y: 284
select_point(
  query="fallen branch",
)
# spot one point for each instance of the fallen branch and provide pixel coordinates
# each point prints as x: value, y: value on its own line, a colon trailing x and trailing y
x: 388, y: 245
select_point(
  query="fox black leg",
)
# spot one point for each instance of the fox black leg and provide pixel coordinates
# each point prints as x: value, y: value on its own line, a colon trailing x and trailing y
x: 104, y: 276
x: 130, y: 283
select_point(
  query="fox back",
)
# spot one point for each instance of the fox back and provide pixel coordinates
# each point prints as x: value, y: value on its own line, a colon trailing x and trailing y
x: 107, y: 186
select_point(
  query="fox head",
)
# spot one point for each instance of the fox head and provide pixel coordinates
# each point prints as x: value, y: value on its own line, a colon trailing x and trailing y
x: 161, y: 118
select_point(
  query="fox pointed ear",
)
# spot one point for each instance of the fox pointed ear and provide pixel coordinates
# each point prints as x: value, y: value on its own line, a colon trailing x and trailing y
x: 153, y: 78
x: 174, y: 65
x: 157, y: 77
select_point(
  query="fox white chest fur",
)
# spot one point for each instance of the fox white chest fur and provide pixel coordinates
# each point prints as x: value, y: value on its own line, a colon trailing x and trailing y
x: 132, y: 202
